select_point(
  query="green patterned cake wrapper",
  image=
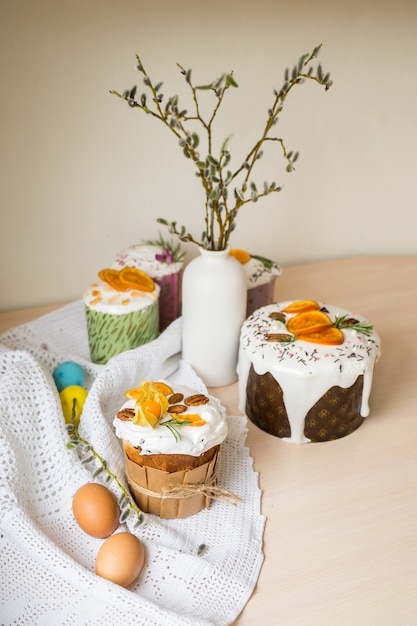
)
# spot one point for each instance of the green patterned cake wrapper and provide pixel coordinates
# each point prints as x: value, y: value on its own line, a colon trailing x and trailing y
x: 110, y: 334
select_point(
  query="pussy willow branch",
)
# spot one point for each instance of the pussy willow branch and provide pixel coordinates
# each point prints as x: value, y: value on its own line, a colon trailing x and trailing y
x: 76, y: 439
x: 274, y: 112
x: 210, y: 215
x: 219, y: 211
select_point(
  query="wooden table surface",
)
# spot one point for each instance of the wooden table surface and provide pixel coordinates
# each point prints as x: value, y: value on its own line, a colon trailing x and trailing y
x: 340, y: 540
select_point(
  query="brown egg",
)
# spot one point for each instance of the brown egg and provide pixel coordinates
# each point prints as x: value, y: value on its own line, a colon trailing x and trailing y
x: 120, y: 559
x: 96, y: 510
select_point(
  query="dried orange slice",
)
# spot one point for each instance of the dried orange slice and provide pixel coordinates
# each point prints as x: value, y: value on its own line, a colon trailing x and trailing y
x: 240, y: 255
x: 308, y: 322
x: 133, y: 394
x: 300, y: 306
x: 112, y: 278
x: 194, y: 419
x: 160, y: 387
x: 163, y: 388
x: 328, y: 336
x: 133, y: 278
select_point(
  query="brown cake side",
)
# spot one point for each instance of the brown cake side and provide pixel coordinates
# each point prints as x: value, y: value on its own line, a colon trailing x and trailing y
x: 336, y: 414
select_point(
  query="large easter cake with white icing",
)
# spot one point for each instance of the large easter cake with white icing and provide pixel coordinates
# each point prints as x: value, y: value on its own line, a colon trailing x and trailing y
x: 305, y: 370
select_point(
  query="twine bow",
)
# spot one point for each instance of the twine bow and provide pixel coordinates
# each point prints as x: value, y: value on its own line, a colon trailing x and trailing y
x: 188, y: 490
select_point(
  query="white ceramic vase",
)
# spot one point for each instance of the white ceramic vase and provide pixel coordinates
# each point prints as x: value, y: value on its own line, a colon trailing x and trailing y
x: 213, y: 309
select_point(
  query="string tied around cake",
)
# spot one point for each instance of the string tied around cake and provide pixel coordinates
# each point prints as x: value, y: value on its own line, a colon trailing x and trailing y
x: 209, y: 489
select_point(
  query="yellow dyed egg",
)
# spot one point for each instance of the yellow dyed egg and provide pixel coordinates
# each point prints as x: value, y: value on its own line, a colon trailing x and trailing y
x: 72, y: 401
x: 120, y: 559
x: 96, y: 510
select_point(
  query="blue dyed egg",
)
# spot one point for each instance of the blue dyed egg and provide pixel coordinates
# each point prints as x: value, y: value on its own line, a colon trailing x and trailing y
x: 72, y: 402
x: 67, y: 374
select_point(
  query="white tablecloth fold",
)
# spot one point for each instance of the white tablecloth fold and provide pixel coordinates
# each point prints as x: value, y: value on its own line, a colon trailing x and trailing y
x: 47, y: 562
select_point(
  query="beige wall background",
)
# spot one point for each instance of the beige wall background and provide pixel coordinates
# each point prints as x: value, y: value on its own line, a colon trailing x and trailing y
x: 83, y: 176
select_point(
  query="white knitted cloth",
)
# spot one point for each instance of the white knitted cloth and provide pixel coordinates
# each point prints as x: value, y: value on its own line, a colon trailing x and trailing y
x: 47, y: 562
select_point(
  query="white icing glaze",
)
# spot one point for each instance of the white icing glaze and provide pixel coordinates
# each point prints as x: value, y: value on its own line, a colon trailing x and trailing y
x: 194, y: 439
x: 258, y: 274
x: 142, y: 257
x: 305, y: 371
x: 103, y: 298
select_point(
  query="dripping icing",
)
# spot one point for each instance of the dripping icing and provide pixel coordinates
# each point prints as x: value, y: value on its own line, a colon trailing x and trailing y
x: 305, y: 371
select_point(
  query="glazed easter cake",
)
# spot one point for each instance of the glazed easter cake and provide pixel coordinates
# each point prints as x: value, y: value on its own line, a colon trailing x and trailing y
x: 305, y: 370
x: 261, y: 275
x: 171, y: 439
x: 122, y: 312
x: 163, y: 262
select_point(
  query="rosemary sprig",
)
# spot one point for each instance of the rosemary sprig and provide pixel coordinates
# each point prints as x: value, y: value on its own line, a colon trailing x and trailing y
x: 345, y: 321
x: 267, y: 263
x: 177, y: 254
x: 89, y: 456
x: 172, y: 425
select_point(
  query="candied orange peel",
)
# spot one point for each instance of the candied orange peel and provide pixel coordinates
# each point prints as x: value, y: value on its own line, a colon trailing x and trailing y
x: 163, y: 388
x: 301, y: 306
x: 192, y: 419
x: 308, y: 322
x: 112, y: 278
x: 136, y: 279
x: 127, y: 279
x: 330, y: 336
x: 240, y: 255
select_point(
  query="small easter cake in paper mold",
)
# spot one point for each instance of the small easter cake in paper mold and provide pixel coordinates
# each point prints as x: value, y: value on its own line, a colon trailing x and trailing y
x: 122, y: 312
x: 261, y: 276
x: 171, y: 437
x: 163, y: 262
x: 306, y: 369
